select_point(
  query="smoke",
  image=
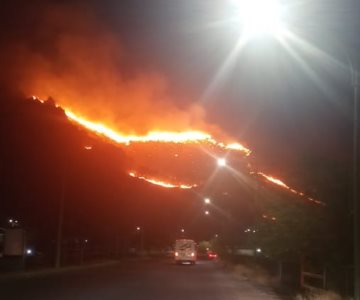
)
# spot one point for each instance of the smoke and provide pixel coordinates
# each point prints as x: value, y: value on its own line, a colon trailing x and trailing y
x: 71, y: 56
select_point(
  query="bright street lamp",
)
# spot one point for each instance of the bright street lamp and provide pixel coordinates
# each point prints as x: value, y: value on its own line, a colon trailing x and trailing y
x: 207, y: 201
x: 260, y: 17
x: 221, y: 162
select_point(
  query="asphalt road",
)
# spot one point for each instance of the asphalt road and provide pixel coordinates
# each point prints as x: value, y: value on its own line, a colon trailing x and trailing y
x: 146, y: 279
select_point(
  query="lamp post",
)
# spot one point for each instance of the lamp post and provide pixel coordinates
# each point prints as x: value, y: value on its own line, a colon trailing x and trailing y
x: 264, y: 16
x: 140, y: 230
x: 356, y: 223
x: 59, y: 235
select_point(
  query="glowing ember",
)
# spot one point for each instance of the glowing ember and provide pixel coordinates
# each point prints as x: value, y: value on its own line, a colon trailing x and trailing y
x: 283, y: 185
x: 38, y: 99
x: 238, y: 147
x: 162, y: 183
x: 274, y: 180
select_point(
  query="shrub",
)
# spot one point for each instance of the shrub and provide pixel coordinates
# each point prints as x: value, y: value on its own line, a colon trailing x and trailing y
x: 320, y: 295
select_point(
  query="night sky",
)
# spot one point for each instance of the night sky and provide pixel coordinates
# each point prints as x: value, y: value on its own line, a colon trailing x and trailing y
x: 283, y: 106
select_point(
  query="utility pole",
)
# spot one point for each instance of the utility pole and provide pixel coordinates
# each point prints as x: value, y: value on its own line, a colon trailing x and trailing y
x: 142, y: 241
x: 59, y: 237
x: 356, y: 84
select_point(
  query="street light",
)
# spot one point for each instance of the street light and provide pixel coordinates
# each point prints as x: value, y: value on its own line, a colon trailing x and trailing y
x: 355, y: 85
x: 62, y: 199
x: 260, y: 16
x: 221, y: 162
x: 265, y: 16
x: 182, y: 230
x: 13, y: 222
x: 207, y: 212
x: 207, y: 201
x: 140, y: 230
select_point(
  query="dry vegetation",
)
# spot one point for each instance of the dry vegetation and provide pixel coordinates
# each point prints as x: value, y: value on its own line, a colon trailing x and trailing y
x: 321, y: 295
x: 255, y: 274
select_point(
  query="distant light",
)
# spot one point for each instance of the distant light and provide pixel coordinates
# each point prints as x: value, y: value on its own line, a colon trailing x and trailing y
x: 29, y: 251
x: 207, y: 200
x: 216, y: 235
x: 221, y: 162
x: 88, y: 147
x: 16, y: 221
x: 207, y: 212
x: 11, y: 220
x: 254, y: 231
x: 182, y: 230
x: 258, y: 250
x: 192, y: 254
x: 138, y: 228
x: 86, y: 241
x: 176, y: 253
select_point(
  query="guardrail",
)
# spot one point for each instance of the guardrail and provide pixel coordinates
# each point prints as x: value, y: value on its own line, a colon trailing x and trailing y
x: 321, y: 278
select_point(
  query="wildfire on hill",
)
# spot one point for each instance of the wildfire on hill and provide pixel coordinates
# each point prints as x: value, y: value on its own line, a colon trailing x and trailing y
x: 188, y: 137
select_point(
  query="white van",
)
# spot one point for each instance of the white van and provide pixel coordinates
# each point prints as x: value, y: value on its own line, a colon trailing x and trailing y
x: 185, y: 251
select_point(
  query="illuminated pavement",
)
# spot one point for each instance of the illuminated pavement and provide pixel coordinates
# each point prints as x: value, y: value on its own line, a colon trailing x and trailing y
x: 154, y: 279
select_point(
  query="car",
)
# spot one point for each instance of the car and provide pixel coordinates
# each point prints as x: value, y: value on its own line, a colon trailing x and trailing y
x: 212, y: 255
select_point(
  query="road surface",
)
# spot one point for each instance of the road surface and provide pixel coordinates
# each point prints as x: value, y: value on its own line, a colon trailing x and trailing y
x: 134, y: 280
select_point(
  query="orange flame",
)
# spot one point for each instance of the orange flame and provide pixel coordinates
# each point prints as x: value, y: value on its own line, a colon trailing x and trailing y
x: 274, y: 180
x: 191, y: 136
x: 285, y: 186
x: 162, y: 183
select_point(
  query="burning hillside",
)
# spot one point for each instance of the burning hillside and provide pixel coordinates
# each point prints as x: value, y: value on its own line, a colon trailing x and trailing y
x: 196, y: 148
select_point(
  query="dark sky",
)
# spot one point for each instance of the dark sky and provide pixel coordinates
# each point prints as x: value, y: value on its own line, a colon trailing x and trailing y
x: 283, y: 106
